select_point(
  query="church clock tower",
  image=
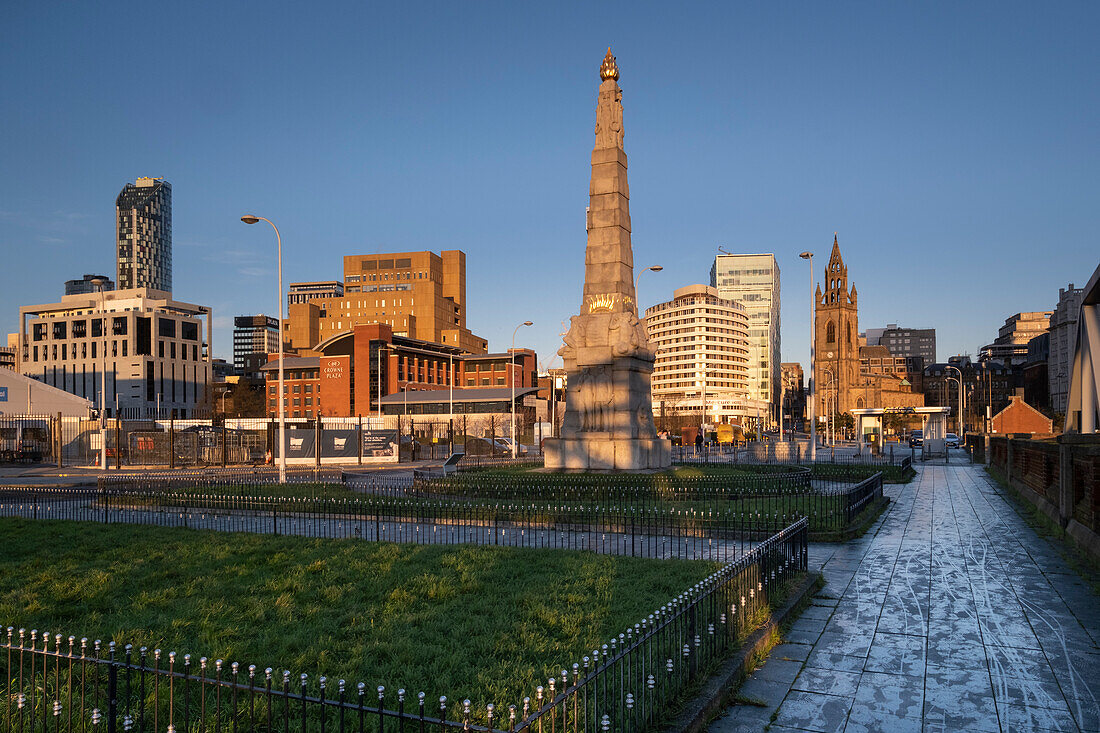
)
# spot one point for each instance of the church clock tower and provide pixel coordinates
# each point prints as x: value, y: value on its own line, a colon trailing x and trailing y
x: 836, y: 339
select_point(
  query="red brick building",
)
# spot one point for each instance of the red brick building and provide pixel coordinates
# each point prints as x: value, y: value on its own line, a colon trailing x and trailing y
x: 1020, y: 417
x: 341, y: 376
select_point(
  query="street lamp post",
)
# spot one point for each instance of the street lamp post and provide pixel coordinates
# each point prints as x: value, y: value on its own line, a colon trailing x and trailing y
x: 252, y: 219
x: 813, y: 333
x: 962, y: 404
x: 653, y: 268
x: 100, y: 283
x: 512, y: 374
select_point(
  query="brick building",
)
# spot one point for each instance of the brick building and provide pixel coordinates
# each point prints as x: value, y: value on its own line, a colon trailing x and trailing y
x: 1020, y: 417
x: 341, y: 376
x: 419, y: 295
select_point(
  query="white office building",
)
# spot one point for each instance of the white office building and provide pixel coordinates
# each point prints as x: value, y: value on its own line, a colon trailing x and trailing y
x: 152, y: 349
x: 752, y: 280
x: 702, y: 364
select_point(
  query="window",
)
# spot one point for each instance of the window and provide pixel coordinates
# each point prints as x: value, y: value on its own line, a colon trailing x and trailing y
x: 59, y: 330
x: 830, y: 332
x: 189, y: 331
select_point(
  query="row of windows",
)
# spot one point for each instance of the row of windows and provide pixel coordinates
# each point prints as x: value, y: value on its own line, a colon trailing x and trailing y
x: 66, y: 352
x: 291, y: 388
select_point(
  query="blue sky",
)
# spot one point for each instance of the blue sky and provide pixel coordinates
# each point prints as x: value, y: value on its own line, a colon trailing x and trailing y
x: 953, y: 146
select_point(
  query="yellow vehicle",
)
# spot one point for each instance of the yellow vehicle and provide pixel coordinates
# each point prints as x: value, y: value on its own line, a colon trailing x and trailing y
x: 728, y: 433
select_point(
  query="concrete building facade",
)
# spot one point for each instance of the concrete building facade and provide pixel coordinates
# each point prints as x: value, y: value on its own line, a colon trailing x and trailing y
x: 1010, y: 346
x: 143, y: 228
x: 703, y: 347
x: 1063, y: 341
x: 753, y: 281
x: 420, y: 295
x: 155, y: 351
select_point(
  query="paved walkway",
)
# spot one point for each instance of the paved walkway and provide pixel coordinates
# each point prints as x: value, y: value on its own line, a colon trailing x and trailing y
x: 950, y: 615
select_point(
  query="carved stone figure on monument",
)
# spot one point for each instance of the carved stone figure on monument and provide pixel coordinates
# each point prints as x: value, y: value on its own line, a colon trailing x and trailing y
x: 603, y: 394
x: 574, y: 338
x: 628, y: 336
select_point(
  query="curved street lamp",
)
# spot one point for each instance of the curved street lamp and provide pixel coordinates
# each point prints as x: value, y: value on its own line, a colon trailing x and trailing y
x: 512, y: 374
x: 252, y: 219
x: 813, y: 334
x: 101, y: 283
x: 962, y: 404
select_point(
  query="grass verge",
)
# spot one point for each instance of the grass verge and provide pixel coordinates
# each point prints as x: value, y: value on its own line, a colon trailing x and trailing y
x: 477, y: 622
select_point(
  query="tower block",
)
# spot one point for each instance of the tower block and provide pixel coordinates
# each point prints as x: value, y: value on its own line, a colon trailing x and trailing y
x: 608, y: 423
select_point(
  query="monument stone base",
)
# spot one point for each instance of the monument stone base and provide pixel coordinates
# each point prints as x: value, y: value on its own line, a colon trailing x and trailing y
x: 600, y: 453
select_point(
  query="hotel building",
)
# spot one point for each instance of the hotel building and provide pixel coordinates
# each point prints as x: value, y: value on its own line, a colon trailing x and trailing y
x: 702, y: 346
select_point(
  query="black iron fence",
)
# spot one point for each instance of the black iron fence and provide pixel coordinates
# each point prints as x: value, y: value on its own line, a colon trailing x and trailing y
x: 55, y: 682
x: 791, y: 453
x: 658, y: 532
x: 255, y: 477
x: 691, y: 518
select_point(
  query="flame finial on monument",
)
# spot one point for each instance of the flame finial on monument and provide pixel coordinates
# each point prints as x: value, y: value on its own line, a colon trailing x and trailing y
x: 609, y: 69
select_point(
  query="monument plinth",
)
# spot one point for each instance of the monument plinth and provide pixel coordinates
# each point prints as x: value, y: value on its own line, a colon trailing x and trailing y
x: 608, y: 423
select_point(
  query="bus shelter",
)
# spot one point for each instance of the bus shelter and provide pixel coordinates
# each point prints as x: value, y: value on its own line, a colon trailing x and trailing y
x: 933, y: 423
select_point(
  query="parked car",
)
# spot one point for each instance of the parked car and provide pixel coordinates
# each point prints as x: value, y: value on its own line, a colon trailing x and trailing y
x: 916, y: 439
x: 506, y: 443
x: 952, y: 440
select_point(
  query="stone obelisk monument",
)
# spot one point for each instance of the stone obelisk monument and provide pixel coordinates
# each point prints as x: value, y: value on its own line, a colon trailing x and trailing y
x: 608, y: 422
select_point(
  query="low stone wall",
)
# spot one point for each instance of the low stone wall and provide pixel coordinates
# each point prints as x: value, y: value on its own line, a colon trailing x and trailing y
x: 1061, y: 477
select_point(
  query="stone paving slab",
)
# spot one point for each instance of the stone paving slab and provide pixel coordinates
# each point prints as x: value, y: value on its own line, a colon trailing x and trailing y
x: 951, y: 614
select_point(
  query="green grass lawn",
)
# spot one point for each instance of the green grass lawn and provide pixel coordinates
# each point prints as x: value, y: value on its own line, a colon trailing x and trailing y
x: 478, y: 622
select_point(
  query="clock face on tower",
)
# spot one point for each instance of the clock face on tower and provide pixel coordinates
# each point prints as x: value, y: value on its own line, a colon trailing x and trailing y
x: 829, y: 355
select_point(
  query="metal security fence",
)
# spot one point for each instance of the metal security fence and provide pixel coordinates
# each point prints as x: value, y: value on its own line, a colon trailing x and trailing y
x: 654, y: 532
x: 58, y: 683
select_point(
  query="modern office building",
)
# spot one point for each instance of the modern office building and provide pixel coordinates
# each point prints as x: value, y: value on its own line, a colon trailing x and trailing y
x: 254, y: 337
x: 702, y: 342
x: 1063, y: 341
x: 1010, y: 346
x: 420, y: 295
x: 753, y: 281
x: 905, y: 342
x: 304, y: 292
x: 143, y: 225
x: 152, y: 348
x: 85, y: 285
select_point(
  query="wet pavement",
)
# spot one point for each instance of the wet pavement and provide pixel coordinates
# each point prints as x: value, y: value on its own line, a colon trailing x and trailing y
x: 951, y: 614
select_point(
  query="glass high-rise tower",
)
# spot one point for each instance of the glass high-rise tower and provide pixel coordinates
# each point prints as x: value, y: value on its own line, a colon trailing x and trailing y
x: 143, y: 227
x: 753, y: 281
